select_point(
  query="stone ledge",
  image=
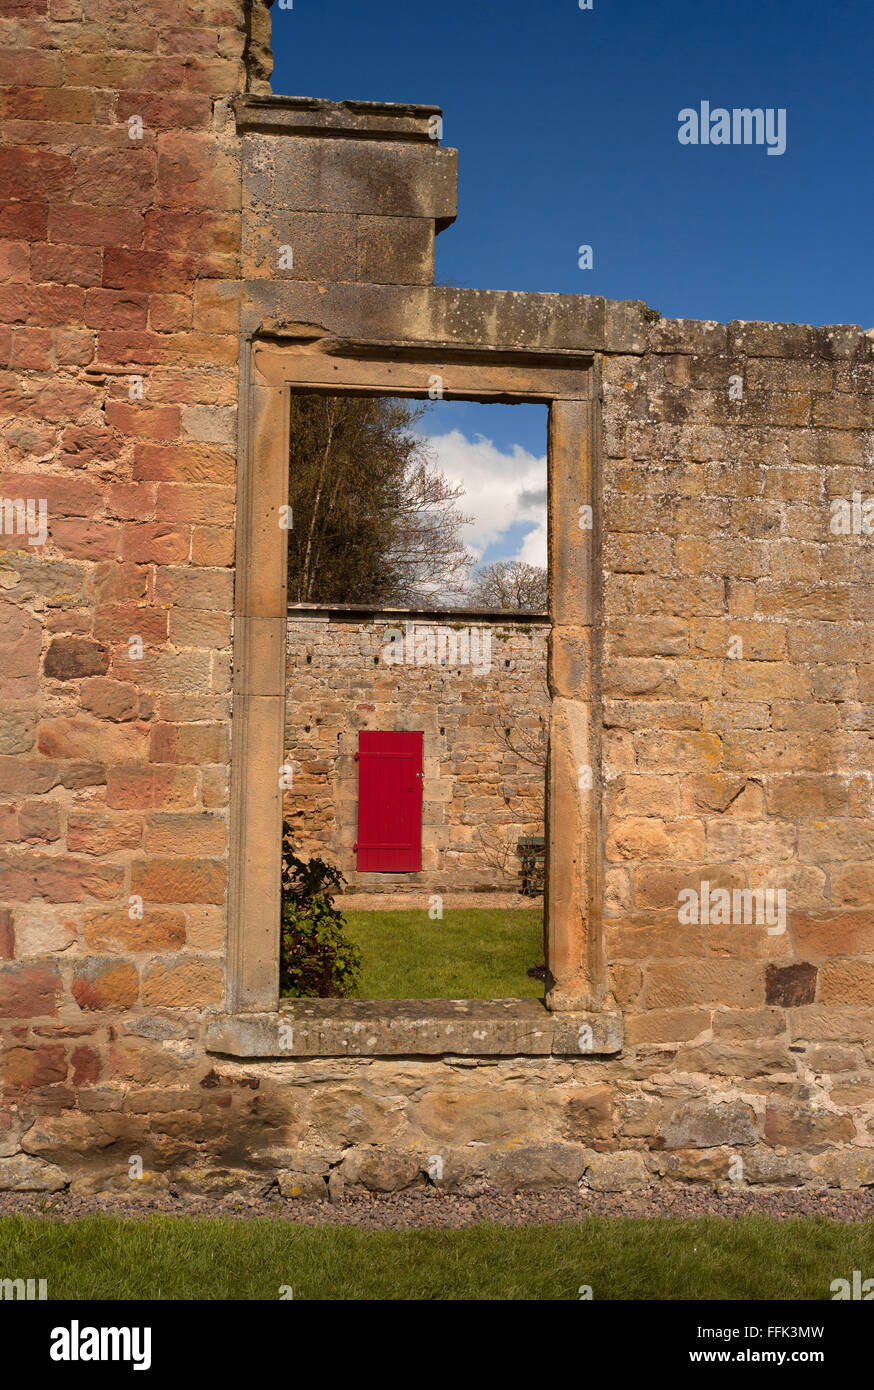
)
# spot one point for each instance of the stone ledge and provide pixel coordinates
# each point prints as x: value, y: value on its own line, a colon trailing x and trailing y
x: 274, y: 114
x: 434, y: 319
x: 415, y: 1028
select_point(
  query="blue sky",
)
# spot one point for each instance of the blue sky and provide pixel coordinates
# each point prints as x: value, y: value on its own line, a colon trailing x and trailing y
x: 566, y: 123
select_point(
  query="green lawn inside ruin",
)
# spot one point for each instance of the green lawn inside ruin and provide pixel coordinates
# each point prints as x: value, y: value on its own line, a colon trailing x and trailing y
x: 168, y: 1257
x: 471, y: 953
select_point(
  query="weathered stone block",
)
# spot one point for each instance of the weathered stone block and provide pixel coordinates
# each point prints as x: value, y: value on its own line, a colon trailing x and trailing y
x: 790, y: 985
x: 21, y: 1173
x: 700, y: 1125
x: 302, y: 1186
x: 589, y: 1114
x: 377, y: 1170
x: 29, y: 991
x: 100, y: 983
x: 384, y: 179
x: 623, y: 1171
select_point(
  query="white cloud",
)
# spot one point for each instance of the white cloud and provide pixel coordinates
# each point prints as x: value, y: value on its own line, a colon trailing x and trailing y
x: 500, y: 490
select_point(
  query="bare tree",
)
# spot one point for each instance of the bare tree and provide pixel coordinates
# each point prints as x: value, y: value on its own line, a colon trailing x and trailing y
x: 429, y: 558
x: 509, y: 585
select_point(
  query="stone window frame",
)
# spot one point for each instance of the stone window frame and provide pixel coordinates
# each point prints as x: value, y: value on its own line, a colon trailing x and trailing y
x: 577, y: 1016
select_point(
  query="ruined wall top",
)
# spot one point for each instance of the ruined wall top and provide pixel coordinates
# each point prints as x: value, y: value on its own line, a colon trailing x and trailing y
x: 345, y: 192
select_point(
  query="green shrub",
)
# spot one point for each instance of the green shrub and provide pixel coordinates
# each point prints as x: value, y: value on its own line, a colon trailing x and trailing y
x: 317, y: 960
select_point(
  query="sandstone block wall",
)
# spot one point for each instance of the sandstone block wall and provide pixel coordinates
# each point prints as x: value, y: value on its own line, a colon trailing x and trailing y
x: 736, y: 698
x: 119, y: 305
x: 484, y: 745
x: 739, y: 742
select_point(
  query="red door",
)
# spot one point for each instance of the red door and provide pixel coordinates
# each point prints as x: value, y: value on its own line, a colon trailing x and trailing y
x: 389, y: 802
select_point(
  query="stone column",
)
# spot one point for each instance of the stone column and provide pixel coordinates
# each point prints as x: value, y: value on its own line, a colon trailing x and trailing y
x: 573, y: 886
x: 259, y: 702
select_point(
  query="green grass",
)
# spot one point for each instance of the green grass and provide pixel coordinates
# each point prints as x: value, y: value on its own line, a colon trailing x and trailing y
x: 752, y: 1257
x: 474, y: 953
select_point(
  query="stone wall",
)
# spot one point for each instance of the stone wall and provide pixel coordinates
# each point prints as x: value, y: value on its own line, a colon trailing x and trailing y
x: 738, y: 680
x: 119, y: 309
x: 484, y: 723
x: 737, y: 683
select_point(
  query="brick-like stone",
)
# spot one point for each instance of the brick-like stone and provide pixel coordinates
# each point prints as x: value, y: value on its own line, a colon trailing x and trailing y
x: 790, y: 985
x: 29, y: 991
x: 189, y: 982
x: 71, y: 658
x: 159, y: 929
x: 82, y: 736
x: 178, y: 880
x: 102, y: 983
x: 701, y: 1126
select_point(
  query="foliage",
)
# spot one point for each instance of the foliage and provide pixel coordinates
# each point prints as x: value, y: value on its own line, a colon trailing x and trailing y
x: 373, y: 520
x: 317, y: 960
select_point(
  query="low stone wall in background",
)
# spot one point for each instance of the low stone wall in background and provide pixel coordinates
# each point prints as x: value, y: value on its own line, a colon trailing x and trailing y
x: 484, y: 718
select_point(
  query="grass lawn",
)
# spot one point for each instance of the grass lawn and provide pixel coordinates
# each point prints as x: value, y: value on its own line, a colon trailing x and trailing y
x: 472, y: 953
x: 751, y: 1257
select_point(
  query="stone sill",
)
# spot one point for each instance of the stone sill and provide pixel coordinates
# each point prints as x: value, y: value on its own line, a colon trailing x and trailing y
x: 415, y: 1028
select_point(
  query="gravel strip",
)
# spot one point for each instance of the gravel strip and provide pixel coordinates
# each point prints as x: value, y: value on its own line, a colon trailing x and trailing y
x: 431, y: 1208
